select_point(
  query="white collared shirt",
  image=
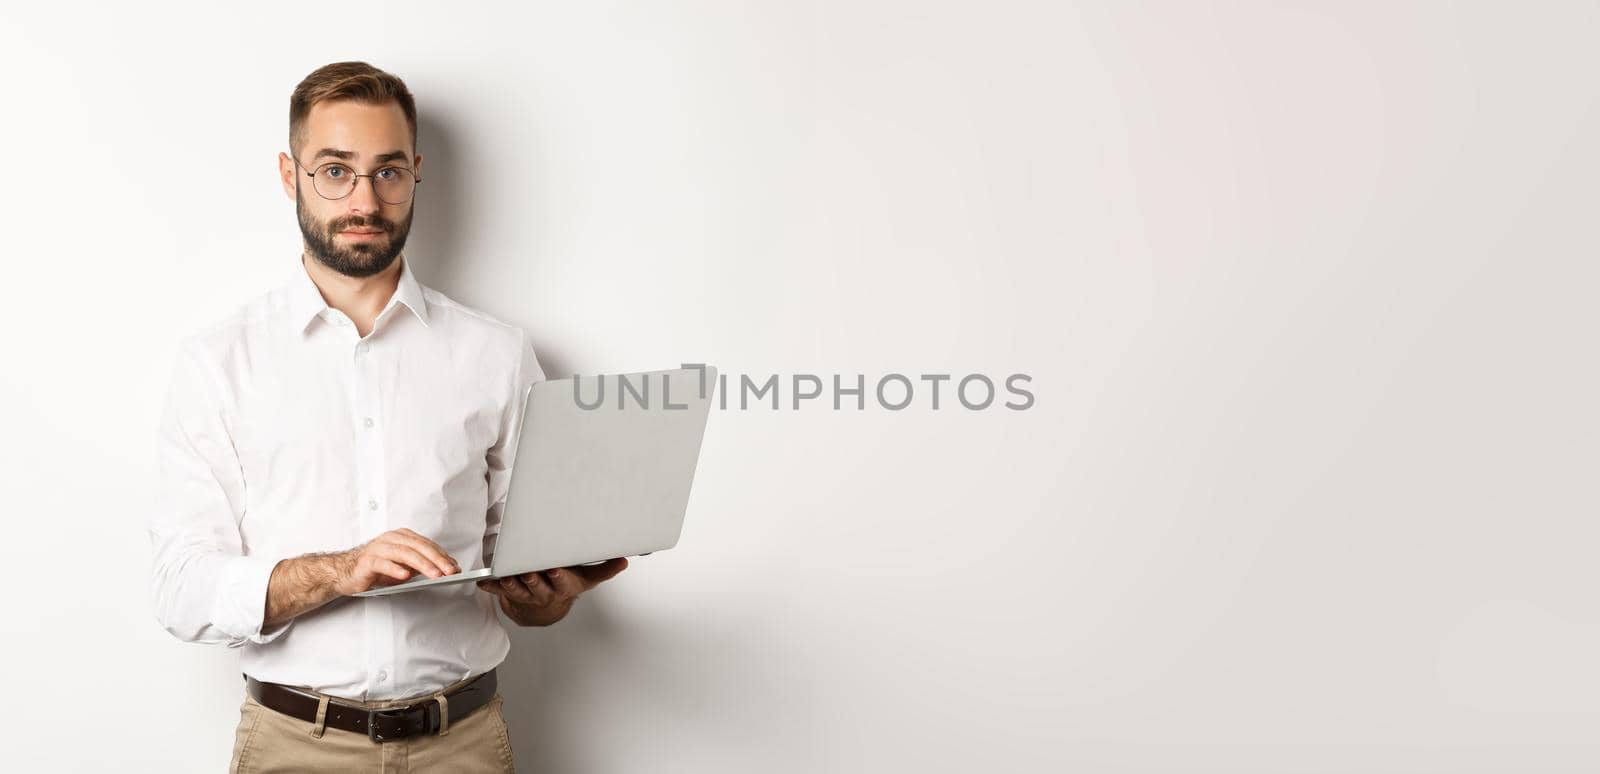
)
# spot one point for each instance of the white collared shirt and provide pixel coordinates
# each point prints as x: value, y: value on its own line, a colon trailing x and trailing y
x: 284, y: 432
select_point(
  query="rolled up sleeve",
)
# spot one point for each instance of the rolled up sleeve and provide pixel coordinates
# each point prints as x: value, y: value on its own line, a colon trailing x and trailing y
x: 203, y: 585
x: 503, y: 454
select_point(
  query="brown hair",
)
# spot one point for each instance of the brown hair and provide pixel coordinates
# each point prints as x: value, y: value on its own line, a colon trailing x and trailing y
x: 357, y: 81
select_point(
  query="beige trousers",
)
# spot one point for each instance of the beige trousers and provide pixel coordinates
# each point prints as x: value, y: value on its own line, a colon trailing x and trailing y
x: 268, y: 741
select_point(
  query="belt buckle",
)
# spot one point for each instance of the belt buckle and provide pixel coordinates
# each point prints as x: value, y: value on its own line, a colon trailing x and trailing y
x: 393, y: 712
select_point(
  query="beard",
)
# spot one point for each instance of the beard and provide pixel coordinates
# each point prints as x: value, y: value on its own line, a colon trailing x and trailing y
x: 359, y: 259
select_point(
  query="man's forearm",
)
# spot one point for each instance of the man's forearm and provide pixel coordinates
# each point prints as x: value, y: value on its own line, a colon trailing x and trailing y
x: 301, y: 584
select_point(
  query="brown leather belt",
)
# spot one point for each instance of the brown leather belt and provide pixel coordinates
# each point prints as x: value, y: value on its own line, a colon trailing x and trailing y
x: 381, y: 725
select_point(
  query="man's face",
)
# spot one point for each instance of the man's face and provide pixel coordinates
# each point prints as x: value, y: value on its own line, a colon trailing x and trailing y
x: 361, y: 234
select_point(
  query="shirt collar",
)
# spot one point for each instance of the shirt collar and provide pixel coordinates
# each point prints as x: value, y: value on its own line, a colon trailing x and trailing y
x: 306, y: 302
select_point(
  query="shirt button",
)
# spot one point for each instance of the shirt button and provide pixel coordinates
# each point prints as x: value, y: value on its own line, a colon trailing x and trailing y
x: 367, y: 421
x: 372, y: 505
x: 382, y: 675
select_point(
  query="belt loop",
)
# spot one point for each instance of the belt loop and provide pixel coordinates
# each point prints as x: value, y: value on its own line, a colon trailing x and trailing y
x: 444, y: 714
x: 322, y: 717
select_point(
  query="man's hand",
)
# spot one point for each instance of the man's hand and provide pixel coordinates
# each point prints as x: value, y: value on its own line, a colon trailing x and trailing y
x: 304, y: 583
x: 542, y: 598
x: 391, y: 558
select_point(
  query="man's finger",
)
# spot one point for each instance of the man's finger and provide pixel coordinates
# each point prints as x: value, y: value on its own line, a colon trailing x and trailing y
x: 566, y: 582
x: 539, y: 586
x: 393, y: 571
x: 433, y: 552
x: 518, y: 591
x: 410, y: 557
x: 423, y: 545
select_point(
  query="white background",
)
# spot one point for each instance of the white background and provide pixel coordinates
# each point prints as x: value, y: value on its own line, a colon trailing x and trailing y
x: 1307, y: 292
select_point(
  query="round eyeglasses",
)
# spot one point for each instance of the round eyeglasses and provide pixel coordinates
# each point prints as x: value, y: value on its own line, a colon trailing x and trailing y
x: 392, y: 185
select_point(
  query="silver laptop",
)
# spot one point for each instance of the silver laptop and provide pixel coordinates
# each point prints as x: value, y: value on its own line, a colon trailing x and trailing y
x: 600, y: 473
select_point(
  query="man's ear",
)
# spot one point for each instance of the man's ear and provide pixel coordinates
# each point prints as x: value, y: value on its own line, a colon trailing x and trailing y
x: 286, y: 174
x: 416, y: 166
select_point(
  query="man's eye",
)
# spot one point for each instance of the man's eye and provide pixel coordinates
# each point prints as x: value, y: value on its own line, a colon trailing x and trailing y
x: 388, y: 173
x: 335, y: 173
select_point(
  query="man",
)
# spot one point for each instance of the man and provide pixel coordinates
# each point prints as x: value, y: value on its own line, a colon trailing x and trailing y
x: 349, y: 429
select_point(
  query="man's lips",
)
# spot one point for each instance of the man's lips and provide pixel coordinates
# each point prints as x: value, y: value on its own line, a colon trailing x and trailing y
x: 361, y: 232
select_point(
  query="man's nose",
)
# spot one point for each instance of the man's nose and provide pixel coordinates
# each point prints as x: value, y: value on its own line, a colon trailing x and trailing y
x: 364, y: 199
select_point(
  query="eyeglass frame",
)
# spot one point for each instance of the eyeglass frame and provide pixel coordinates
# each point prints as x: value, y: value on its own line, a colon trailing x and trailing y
x: 374, y: 181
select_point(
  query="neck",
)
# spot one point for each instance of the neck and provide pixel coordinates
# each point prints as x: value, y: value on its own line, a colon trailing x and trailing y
x: 360, y: 298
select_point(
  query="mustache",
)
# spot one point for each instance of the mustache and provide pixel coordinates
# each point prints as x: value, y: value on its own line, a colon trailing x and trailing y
x: 343, y: 224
